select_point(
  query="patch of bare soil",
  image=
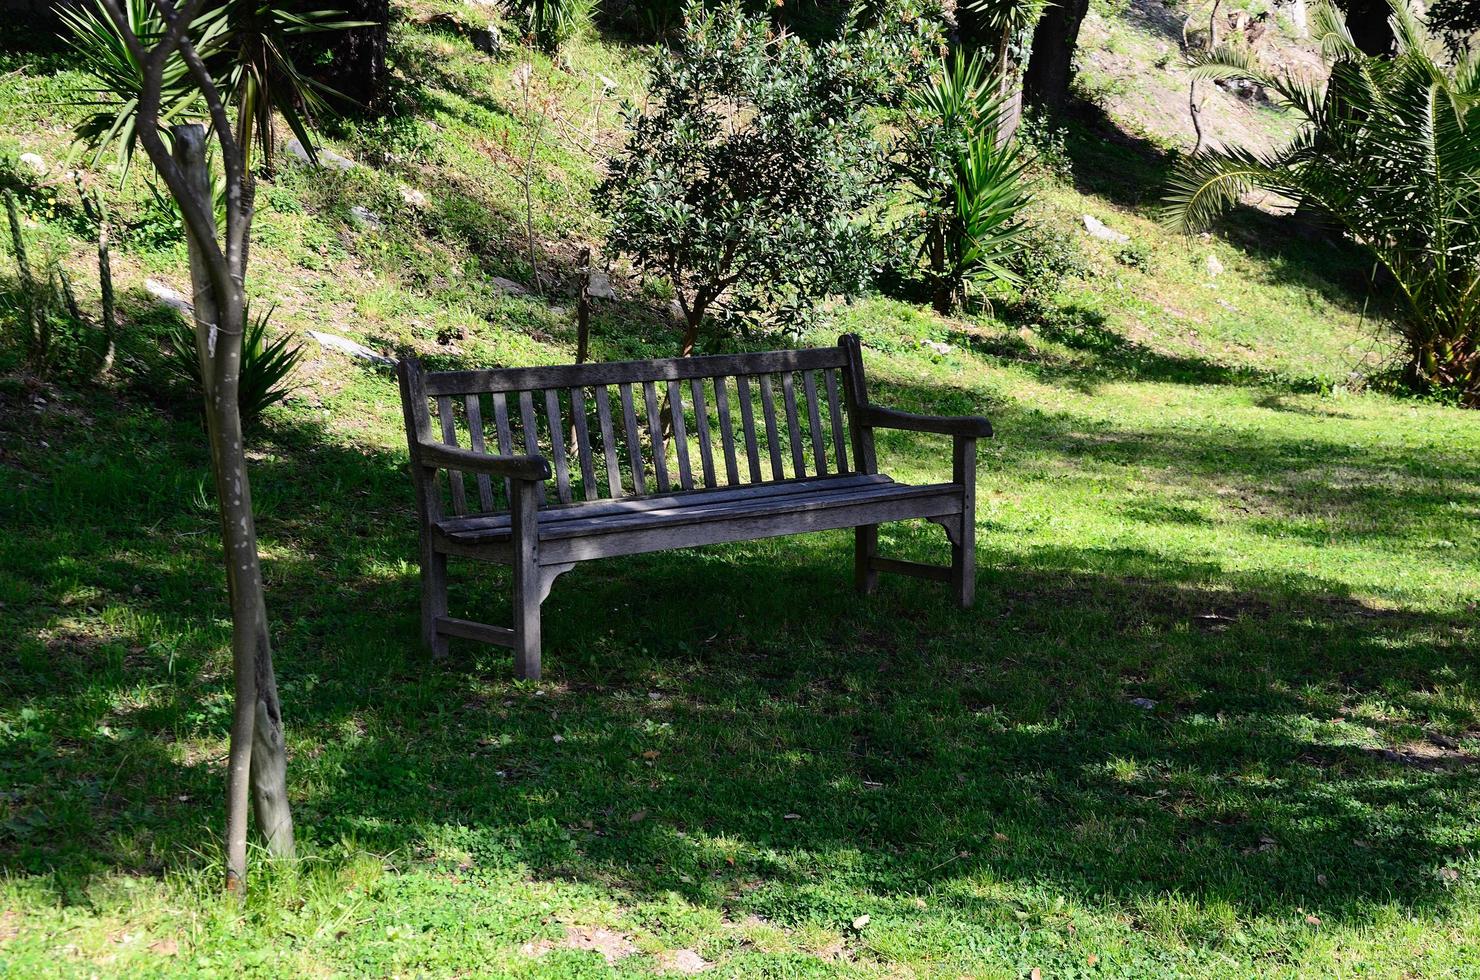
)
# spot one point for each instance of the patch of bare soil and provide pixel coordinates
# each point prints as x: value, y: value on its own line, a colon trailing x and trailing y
x: 613, y: 946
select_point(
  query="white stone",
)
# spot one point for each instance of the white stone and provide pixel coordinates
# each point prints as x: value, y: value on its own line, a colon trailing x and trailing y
x: 168, y: 296
x: 412, y: 196
x: 1098, y: 229
x: 328, y: 159
x: 34, y: 163
x: 344, y: 345
x: 1214, y: 266
x: 937, y: 346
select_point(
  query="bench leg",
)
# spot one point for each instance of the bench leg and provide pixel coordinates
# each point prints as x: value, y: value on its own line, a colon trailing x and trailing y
x: 865, y: 550
x: 963, y: 549
x: 433, y: 600
x: 529, y: 585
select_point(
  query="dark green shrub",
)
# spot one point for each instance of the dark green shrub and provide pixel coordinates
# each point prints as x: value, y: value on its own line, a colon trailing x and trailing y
x: 174, y: 369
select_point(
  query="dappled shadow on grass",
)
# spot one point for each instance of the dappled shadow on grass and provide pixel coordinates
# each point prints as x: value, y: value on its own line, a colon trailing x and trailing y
x: 733, y: 724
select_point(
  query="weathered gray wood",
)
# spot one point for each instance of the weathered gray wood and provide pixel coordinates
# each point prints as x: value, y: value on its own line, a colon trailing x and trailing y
x: 938, y: 573
x: 632, y: 372
x: 856, y: 388
x: 773, y: 441
x: 793, y: 425
x: 476, y: 443
x: 963, y: 550
x: 543, y: 542
x: 726, y: 430
x: 814, y: 424
x: 557, y: 445
x: 428, y: 504
x: 680, y: 435
x: 449, y: 436
x: 608, y: 441
x: 504, y: 436
x: 655, y: 434
x: 747, y: 427
x: 527, y: 579
x: 468, y: 630
x: 641, y: 539
x: 835, y: 417
x: 531, y: 425
x: 973, y: 426
x: 489, y: 526
x: 634, y: 443
x: 583, y: 442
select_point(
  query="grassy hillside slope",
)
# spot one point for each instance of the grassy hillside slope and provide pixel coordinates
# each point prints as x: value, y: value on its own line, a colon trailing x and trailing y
x: 1215, y: 713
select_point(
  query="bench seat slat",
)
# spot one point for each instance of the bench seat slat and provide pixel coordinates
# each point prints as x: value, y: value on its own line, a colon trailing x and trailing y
x: 699, y: 508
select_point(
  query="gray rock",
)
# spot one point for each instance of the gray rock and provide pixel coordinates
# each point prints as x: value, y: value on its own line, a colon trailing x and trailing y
x: 328, y: 159
x: 1098, y: 229
x: 34, y: 163
x: 1214, y: 266
x: 168, y: 296
x: 599, y: 286
x: 365, y: 218
x: 412, y: 196
x: 344, y: 345
x: 509, y: 286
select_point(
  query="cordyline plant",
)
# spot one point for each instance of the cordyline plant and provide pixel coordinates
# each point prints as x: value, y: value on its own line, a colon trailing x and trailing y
x: 743, y: 182
x: 170, y: 65
x: 1390, y: 150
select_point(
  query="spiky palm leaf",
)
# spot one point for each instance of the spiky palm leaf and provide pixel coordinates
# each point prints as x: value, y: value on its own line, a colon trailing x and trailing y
x: 1391, y: 151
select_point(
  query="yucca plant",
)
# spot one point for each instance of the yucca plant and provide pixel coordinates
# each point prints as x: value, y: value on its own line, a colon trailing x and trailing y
x: 1390, y: 150
x: 553, y: 22
x: 266, y: 365
x: 967, y: 186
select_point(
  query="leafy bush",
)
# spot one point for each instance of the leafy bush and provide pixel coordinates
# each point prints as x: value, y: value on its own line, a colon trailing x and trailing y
x: 743, y: 182
x: 174, y: 368
x: 967, y: 186
x: 1390, y: 151
x: 1048, y: 258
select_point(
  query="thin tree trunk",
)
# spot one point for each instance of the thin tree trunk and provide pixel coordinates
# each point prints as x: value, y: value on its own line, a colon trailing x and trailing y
x: 1051, y: 58
x: 257, y: 762
x: 36, y: 326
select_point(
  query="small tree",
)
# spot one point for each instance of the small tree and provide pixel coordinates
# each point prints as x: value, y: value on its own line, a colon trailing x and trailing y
x: 1390, y: 149
x: 173, y: 77
x: 742, y: 183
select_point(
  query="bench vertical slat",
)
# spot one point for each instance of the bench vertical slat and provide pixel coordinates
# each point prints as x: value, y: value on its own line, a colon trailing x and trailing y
x: 531, y: 423
x: 726, y: 433
x: 449, y: 436
x: 835, y: 415
x: 857, y: 389
x: 557, y: 445
x: 701, y: 422
x: 655, y: 434
x: 634, y: 444
x: 747, y: 425
x: 814, y: 423
x: 504, y: 436
x: 474, y: 404
x: 793, y: 424
x: 583, y: 441
x: 773, y: 441
x: 680, y: 435
x: 608, y: 441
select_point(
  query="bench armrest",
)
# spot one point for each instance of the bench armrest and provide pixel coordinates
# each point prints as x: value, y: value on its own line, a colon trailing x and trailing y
x: 969, y: 426
x: 455, y: 458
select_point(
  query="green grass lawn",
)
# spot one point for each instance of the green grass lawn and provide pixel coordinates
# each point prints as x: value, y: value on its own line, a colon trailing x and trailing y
x: 1216, y: 712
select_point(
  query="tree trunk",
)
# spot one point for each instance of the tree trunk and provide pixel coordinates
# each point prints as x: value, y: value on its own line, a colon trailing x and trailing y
x: 257, y: 766
x: 1368, y: 22
x: 1051, y: 59
x: 357, y: 69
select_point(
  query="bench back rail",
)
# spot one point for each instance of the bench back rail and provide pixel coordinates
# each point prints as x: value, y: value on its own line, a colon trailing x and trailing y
x: 636, y: 428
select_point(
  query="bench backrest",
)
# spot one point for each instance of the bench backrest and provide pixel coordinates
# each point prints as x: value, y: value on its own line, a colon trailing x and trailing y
x: 731, y: 419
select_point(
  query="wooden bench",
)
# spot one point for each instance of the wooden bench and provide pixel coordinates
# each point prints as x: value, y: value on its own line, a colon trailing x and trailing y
x: 549, y: 466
